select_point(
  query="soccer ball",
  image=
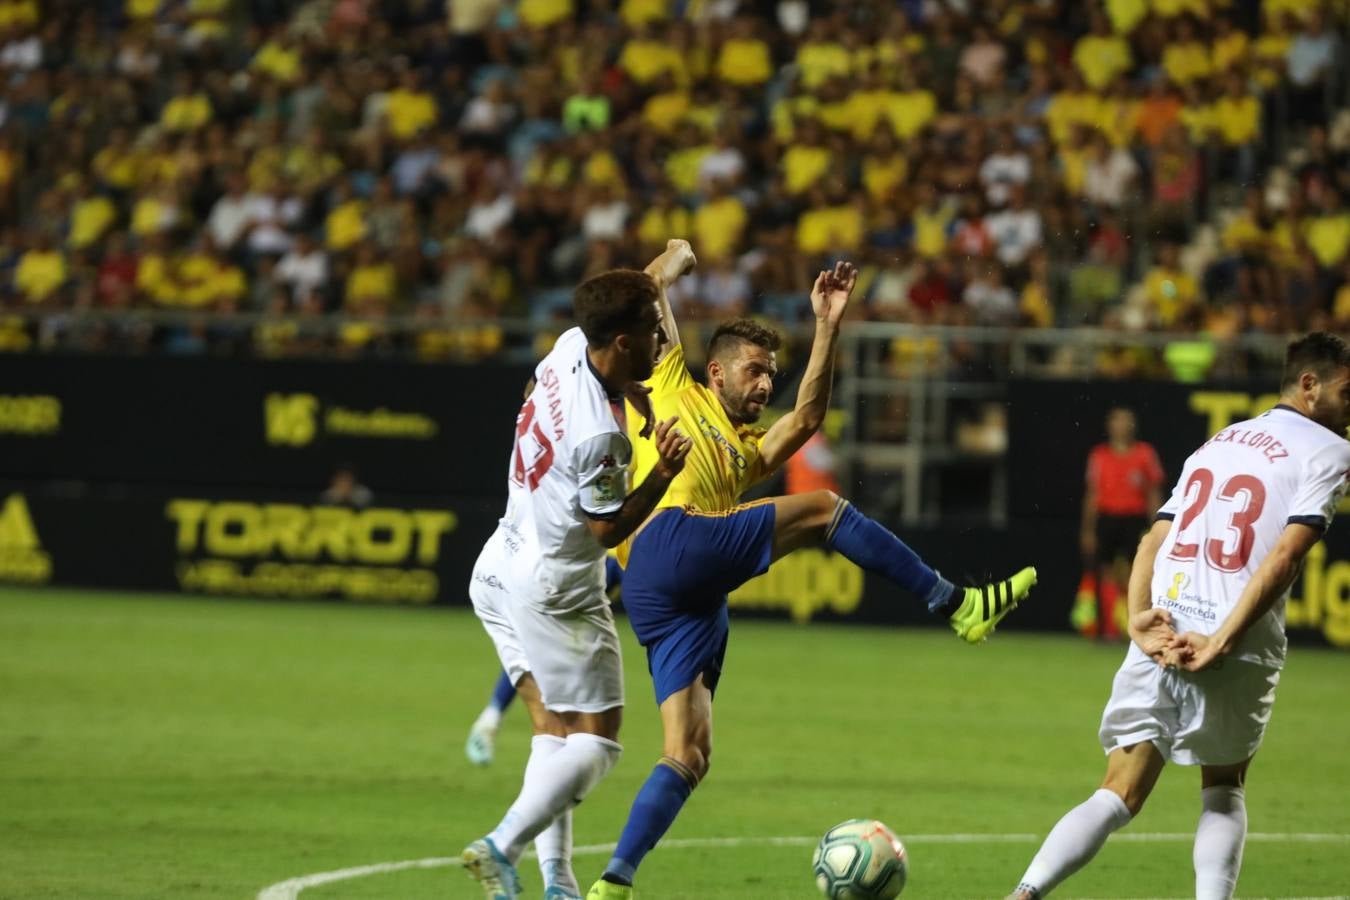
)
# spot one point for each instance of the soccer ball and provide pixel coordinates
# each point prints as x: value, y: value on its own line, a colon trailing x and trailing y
x: 860, y: 859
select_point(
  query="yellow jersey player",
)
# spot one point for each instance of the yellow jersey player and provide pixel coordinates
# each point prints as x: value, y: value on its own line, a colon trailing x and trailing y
x: 700, y: 543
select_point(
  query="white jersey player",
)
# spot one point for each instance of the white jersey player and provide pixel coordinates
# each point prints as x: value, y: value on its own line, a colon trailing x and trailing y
x: 539, y: 583
x: 1207, y: 597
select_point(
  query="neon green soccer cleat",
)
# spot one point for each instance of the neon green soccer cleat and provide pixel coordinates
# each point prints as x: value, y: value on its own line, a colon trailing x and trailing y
x: 608, y: 890
x: 984, y: 607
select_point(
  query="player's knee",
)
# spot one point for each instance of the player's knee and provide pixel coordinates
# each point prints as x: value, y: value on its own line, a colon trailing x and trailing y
x: 1131, y: 794
x: 823, y: 504
x: 692, y: 751
x: 693, y: 760
x: 825, y: 501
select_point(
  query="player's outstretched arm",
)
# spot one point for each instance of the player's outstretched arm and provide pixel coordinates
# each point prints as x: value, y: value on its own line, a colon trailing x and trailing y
x: 1194, y: 651
x: 829, y: 300
x: 674, y: 261
x: 672, y: 447
x: 1149, y: 626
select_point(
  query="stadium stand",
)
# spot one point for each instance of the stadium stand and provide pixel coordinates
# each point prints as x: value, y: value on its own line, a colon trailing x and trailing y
x: 403, y: 177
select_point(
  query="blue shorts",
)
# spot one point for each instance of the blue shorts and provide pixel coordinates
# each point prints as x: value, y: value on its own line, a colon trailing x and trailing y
x: 680, y: 569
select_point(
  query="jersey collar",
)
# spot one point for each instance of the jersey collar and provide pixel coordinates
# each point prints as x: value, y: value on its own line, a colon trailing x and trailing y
x: 612, y: 395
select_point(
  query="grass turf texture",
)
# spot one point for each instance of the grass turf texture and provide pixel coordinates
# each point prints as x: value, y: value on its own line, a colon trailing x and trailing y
x: 185, y: 747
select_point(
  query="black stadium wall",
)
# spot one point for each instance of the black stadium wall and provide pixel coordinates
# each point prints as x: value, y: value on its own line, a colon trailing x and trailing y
x: 204, y: 475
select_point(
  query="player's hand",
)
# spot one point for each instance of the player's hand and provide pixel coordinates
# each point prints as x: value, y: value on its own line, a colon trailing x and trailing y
x: 639, y: 397
x: 1152, y: 630
x: 1193, y: 652
x: 829, y: 295
x: 677, y: 259
x: 672, y: 446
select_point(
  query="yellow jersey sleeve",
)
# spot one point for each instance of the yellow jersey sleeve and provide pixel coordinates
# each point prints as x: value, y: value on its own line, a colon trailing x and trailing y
x: 671, y: 375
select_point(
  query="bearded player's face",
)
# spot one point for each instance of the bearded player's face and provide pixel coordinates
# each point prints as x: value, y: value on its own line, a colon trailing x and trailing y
x: 744, y: 381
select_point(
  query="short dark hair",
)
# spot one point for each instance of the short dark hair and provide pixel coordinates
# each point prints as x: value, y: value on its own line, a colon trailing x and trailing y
x: 730, y: 335
x: 613, y: 303
x: 1320, y: 352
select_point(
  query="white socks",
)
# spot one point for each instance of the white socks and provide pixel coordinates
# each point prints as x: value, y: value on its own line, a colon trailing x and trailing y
x: 1074, y: 840
x: 490, y: 718
x: 554, y: 783
x: 553, y: 845
x: 1218, y: 842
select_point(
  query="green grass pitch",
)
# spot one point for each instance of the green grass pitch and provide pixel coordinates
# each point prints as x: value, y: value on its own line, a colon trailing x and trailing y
x: 186, y: 747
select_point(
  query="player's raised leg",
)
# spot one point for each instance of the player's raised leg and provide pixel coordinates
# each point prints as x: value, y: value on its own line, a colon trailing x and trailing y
x: 1131, y: 773
x: 481, y: 745
x: 1221, y: 832
x: 822, y: 518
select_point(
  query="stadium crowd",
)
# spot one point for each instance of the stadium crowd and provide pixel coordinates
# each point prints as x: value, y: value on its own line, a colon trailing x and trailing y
x: 1011, y: 162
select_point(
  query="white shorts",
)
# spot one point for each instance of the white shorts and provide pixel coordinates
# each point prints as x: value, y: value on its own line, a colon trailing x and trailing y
x: 1212, y: 718
x: 574, y: 656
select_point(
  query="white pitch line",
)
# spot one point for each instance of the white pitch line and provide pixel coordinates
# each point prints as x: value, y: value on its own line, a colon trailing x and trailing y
x: 290, y: 888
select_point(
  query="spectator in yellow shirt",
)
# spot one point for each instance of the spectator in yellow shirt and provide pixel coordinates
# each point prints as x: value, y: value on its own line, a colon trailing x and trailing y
x: 645, y: 58
x: 117, y: 163
x: 1236, y: 120
x: 90, y: 217
x: 1126, y: 15
x: 642, y: 12
x: 1271, y: 48
x: 1171, y: 9
x: 1101, y: 56
x: 910, y: 109
x: 682, y: 165
x: 820, y: 57
x: 1072, y: 105
x: 372, y: 283
x: 409, y: 109
x: 831, y: 224
x: 719, y: 223
x: 1170, y: 290
x: 1328, y: 234
x: 1186, y: 59
x: 279, y: 58
x: 1229, y: 48
x: 807, y: 161
x: 346, y: 222
x: 665, y: 108
x: 665, y: 218
x: 884, y: 168
x: 930, y: 220
x: 41, y: 271
x: 156, y: 211
x: 744, y: 60
x: 196, y: 273
x: 543, y: 13
x: 188, y: 110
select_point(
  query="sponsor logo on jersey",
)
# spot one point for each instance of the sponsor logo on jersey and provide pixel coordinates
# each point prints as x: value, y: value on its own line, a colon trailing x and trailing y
x: 737, y: 458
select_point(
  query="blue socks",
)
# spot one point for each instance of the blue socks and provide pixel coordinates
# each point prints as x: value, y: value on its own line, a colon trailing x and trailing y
x: 503, y: 692
x: 654, y: 809
x: 874, y: 548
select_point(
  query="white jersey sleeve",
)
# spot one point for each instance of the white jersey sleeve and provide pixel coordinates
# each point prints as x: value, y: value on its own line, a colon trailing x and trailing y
x: 602, y: 473
x: 1322, y: 487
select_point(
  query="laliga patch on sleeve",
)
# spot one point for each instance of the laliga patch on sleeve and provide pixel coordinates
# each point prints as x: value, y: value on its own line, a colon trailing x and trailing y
x: 606, y: 488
